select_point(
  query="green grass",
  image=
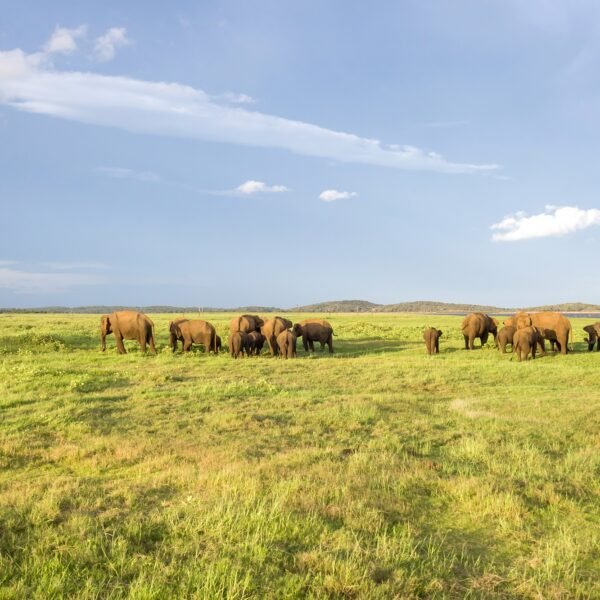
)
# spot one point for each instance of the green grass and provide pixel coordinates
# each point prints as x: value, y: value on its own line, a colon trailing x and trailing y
x: 379, y: 472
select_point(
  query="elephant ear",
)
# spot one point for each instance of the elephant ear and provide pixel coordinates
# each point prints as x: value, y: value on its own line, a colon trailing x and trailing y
x: 105, y: 323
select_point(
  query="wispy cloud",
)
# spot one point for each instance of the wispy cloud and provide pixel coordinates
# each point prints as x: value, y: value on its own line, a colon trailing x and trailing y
x: 75, y: 266
x: 445, y: 124
x: 105, y: 46
x: 22, y: 281
x: 554, y: 222
x: 64, y: 41
x: 332, y: 195
x: 254, y: 187
x: 176, y: 110
x: 123, y: 173
x: 235, y: 98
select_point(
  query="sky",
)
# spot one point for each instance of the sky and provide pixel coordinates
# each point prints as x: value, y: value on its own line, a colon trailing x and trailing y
x: 230, y: 153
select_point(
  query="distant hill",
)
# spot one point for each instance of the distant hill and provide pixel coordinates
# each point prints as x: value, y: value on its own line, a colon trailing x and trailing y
x: 569, y: 307
x: 335, y: 306
x: 147, y: 309
x: 339, y: 306
x: 428, y: 306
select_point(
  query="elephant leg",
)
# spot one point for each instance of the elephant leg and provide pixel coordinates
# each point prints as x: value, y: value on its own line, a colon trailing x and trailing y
x: 330, y: 343
x: 120, y: 345
x: 597, y: 345
x: 311, y: 345
x: 484, y: 339
x: 143, y: 343
x: 437, y: 346
x: 562, y: 341
x: 466, y: 341
x: 305, y: 343
x: 471, y: 342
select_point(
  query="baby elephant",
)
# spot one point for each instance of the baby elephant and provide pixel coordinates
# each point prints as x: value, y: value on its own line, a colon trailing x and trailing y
x: 286, y: 341
x: 593, y: 332
x: 432, y: 340
x: 525, y: 342
x: 505, y: 337
x: 256, y: 341
x: 238, y: 344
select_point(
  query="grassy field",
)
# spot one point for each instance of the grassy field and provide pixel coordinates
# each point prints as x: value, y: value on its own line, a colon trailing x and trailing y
x: 378, y: 472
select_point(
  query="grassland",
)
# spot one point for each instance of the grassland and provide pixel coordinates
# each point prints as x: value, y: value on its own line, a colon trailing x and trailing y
x: 379, y: 472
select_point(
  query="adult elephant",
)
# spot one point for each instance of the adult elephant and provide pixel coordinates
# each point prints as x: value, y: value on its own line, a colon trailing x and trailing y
x: 593, y: 332
x: 245, y: 323
x: 192, y: 331
x: 315, y: 330
x: 127, y: 325
x: 271, y: 329
x: 478, y: 325
x: 552, y: 326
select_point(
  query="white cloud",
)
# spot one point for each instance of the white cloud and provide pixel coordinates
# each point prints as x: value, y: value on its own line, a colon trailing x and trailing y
x: 331, y: 195
x: 63, y: 40
x: 176, y: 110
x: 105, y: 46
x: 253, y: 187
x: 555, y: 221
x: 21, y: 281
x: 122, y: 173
x: 7, y: 263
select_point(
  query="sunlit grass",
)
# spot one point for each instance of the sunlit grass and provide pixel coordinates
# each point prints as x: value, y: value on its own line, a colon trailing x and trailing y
x: 377, y: 472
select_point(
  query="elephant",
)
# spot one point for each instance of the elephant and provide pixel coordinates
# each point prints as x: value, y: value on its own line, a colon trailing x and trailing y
x: 593, y: 332
x: 314, y: 330
x: 238, y: 344
x: 246, y: 323
x: 431, y: 335
x: 219, y: 343
x: 525, y: 341
x: 271, y: 329
x: 286, y: 341
x: 192, y: 331
x: 505, y: 337
x: 552, y: 325
x: 127, y: 325
x: 478, y: 325
x: 256, y: 341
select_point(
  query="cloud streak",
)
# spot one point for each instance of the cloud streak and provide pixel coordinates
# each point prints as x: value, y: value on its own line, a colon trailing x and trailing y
x: 554, y: 222
x: 255, y: 187
x: 123, y: 173
x: 31, y: 282
x: 172, y: 109
x: 332, y: 195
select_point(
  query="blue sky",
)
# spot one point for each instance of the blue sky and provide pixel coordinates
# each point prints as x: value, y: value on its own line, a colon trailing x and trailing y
x: 280, y: 153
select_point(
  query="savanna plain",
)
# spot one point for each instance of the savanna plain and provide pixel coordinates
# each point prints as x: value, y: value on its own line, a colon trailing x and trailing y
x: 378, y: 472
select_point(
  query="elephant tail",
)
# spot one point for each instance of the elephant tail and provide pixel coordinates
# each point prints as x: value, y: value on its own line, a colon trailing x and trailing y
x: 572, y: 349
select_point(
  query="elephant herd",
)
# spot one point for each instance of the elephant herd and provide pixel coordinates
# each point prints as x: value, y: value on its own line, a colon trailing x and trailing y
x: 524, y: 332
x: 247, y: 334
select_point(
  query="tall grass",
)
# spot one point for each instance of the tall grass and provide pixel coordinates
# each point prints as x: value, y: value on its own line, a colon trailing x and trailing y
x: 377, y: 472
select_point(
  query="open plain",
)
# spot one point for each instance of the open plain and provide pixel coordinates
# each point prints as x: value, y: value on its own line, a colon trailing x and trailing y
x: 377, y: 472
